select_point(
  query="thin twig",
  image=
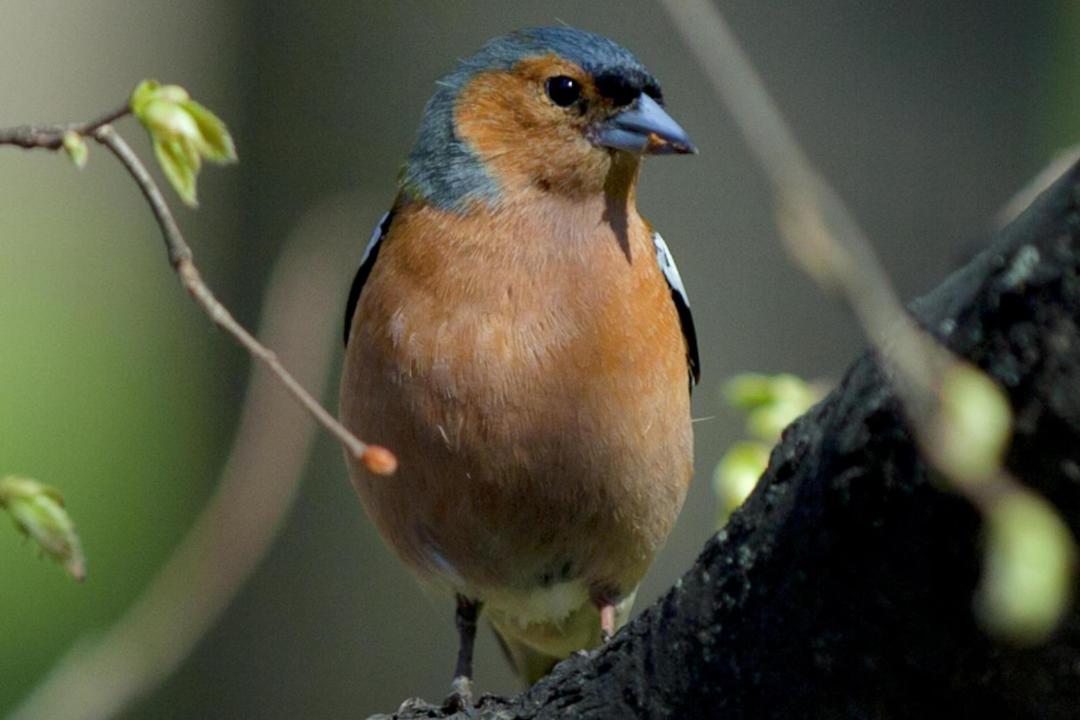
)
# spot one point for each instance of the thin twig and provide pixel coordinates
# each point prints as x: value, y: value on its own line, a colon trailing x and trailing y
x: 823, y: 237
x: 377, y: 459
x: 1062, y: 161
x: 51, y: 137
x: 100, y: 676
x: 181, y: 258
x: 820, y: 233
x: 175, y: 245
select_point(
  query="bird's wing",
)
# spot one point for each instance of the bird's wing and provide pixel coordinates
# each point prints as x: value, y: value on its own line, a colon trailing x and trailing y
x: 366, y: 263
x: 682, y: 305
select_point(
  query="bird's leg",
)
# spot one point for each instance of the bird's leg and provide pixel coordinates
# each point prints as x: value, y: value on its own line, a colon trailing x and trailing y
x: 607, y: 621
x: 465, y: 618
x: 601, y: 598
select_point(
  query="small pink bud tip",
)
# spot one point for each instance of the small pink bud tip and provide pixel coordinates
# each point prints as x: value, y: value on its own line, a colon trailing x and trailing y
x: 379, y: 460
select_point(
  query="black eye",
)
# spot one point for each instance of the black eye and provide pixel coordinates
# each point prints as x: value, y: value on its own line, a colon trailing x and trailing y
x: 563, y: 90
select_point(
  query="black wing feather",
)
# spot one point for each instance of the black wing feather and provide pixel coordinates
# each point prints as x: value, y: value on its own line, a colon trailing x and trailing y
x: 366, y: 264
x: 682, y: 306
x: 686, y: 320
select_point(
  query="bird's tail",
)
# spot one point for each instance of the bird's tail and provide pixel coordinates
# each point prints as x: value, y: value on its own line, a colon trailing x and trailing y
x: 529, y: 663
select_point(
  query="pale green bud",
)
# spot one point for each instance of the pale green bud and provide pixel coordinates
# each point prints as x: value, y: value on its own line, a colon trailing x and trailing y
x: 973, y: 426
x: 771, y: 402
x: 216, y: 144
x: 183, y: 133
x: 1028, y: 575
x: 737, y: 474
x: 38, y: 511
x: 75, y: 147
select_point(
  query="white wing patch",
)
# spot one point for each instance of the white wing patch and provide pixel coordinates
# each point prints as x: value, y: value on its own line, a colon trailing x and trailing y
x: 377, y: 235
x: 366, y: 263
x: 667, y: 266
x: 682, y: 304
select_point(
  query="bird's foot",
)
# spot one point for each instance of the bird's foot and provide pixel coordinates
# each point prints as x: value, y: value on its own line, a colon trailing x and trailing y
x: 460, y: 698
x: 607, y: 622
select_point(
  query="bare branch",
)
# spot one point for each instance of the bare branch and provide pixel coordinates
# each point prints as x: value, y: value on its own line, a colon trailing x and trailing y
x: 97, y: 678
x: 377, y: 459
x: 181, y: 258
x: 820, y: 233
x: 1058, y: 165
x: 823, y: 237
x: 51, y: 137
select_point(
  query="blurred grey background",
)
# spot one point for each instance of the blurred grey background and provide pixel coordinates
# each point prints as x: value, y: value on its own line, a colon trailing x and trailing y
x: 926, y: 115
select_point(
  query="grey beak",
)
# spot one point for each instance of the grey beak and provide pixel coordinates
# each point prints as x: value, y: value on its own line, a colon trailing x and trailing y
x: 644, y: 127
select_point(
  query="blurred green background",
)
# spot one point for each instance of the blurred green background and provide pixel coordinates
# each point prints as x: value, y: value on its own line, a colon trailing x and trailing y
x: 927, y: 116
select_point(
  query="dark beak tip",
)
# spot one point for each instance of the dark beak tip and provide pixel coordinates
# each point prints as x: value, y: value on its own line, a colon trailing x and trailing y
x: 671, y: 147
x: 659, y: 145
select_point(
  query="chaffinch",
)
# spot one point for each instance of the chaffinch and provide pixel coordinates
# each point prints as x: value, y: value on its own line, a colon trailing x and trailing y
x: 520, y: 337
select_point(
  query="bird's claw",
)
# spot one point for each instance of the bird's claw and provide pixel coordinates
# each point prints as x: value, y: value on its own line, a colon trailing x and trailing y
x: 607, y: 622
x: 460, y: 698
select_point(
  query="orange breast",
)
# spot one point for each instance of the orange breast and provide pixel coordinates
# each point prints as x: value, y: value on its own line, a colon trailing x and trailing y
x: 528, y: 369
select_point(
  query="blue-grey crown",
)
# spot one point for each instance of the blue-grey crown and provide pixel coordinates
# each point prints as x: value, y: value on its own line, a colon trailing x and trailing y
x: 442, y: 169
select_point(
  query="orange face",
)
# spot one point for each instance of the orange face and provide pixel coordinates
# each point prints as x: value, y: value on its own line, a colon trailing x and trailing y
x: 527, y: 139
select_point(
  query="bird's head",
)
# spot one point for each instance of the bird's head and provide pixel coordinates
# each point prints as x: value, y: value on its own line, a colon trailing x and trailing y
x: 553, y: 110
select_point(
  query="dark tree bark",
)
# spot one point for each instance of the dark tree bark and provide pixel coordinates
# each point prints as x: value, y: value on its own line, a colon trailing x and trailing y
x: 843, y: 587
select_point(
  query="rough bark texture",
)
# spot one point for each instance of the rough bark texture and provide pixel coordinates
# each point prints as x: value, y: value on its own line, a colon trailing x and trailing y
x: 843, y: 587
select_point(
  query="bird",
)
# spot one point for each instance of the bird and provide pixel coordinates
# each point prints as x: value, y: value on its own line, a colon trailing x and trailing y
x: 520, y: 337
